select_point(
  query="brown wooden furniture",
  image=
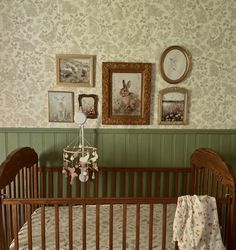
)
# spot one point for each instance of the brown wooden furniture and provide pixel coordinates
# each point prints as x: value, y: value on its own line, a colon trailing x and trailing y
x: 25, y: 187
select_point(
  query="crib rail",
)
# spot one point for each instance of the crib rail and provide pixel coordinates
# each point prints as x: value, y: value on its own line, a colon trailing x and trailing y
x: 118, y: 182
x: 29, y: 204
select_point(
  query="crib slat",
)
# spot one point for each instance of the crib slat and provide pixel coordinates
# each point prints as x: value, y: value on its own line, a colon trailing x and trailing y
x: 84, y: 227
x: 114, y: 184
x: 150, y: 226
x: 50, y: 177
x: 29, y: 222
x: 123, y: 185
x: 105, y: 184
x: 15, y: 226
x: 167, y: 184
x: 10, y: 222
x: 5, y: 231
x: 158, y: 184
x: 164, y: 227
x: 97, y: 186
x: 70, y: 227
x: 176, y: 184
x: 137, y: 225
x: 124, y: 226
x: 60, y: 184
x: 97, y: 225
x: 87, y: 189
x: 131, y: 184
x: 43, y: 239
x: 149, y: 184
x: 111, y: 227
x: 57, y: 234
x: 184, y: 183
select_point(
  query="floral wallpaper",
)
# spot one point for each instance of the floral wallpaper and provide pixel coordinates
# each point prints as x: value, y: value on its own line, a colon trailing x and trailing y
x: 34, y: 31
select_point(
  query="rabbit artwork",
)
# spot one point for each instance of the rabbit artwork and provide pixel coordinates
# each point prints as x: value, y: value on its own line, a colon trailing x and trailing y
x: 130, y: 101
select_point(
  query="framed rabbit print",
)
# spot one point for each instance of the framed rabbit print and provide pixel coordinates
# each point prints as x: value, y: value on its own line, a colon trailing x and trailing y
x: 126, y: 89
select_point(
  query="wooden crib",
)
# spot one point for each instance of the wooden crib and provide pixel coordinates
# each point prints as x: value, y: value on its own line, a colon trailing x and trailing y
x: 123, y: 208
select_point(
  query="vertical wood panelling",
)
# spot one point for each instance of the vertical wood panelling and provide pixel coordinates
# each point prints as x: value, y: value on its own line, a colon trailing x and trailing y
x: 189, y: 146
x: 178, y: 147
x: 36, y: 142
x: 3, y: 146
x: 143, y: 155
x: 12, y: 141
x: 202, y: 140
x: 155, y: 149
x: 132, y: 149
x: 107, y: 146
x: 167, y: 149
x: 123, y: 147
x: 24, y: 139
x: 119, y: 149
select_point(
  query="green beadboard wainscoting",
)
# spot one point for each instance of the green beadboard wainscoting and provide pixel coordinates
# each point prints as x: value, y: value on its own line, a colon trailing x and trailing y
x: 123, y: 147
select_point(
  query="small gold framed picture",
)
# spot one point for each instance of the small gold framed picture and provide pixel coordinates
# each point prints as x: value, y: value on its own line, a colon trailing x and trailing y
x: 75, y: 70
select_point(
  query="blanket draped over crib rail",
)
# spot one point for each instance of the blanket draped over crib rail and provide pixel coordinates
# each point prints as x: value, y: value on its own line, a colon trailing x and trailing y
x: 196, y: 224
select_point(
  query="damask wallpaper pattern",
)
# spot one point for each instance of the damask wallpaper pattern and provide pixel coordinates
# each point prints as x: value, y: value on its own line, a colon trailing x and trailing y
x: 33, y: 31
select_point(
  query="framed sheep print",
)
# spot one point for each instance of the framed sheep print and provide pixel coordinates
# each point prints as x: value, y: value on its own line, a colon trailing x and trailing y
x: 61, y: 106
x: 172, y: 108
x: 74, y: 70
x: 126, y: 89
x: 174, y: 64
x: 89, y: 104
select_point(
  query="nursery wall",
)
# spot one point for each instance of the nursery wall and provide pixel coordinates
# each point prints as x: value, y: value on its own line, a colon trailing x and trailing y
x: 33, y: 31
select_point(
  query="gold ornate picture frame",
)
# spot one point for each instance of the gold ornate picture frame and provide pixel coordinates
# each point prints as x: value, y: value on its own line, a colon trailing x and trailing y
x: 89, y: 105
x: 126, y: 89
x: 74, y: 70
x: 175, y: 64
x: 173, y: 106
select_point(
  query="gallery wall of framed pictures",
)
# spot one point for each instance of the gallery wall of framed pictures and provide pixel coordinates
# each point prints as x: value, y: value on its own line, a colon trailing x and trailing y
x: 126, y: 89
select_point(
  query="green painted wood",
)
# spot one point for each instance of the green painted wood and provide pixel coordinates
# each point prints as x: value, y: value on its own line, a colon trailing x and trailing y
x: 155, y: 149
x: 12, y: 141
x: 123, y: 147
x: 3, y: 145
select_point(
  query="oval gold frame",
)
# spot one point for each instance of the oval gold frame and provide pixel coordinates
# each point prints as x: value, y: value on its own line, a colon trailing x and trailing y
x: 187, y: 68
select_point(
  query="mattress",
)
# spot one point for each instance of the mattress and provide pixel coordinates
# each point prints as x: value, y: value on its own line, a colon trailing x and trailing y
x: 103, y: 229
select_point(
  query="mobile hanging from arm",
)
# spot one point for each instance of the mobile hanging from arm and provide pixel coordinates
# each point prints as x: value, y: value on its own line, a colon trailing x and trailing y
x: 79, y: 159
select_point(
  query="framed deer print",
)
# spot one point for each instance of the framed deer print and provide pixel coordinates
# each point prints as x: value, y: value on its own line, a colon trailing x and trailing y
x: 61, y: 106
x: 126, y: 89
x: 173, y: 104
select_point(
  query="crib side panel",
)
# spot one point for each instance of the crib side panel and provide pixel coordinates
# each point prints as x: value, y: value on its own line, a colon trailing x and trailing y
x: 140, y: 223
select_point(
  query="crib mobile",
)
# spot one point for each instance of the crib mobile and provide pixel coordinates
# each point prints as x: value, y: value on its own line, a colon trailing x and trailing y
x: 79, y: 159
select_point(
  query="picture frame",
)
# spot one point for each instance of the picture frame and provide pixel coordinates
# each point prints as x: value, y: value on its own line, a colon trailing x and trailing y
x: 61, y: 106
x: 175, y: 64
x: 75, y: 70
x: 126, y: 89
x: 173, y: 105
x: 89, y: 105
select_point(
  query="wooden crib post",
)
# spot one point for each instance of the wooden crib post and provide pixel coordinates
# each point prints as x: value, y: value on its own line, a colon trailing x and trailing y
x: 1, y: 225
x: 232, y: 231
